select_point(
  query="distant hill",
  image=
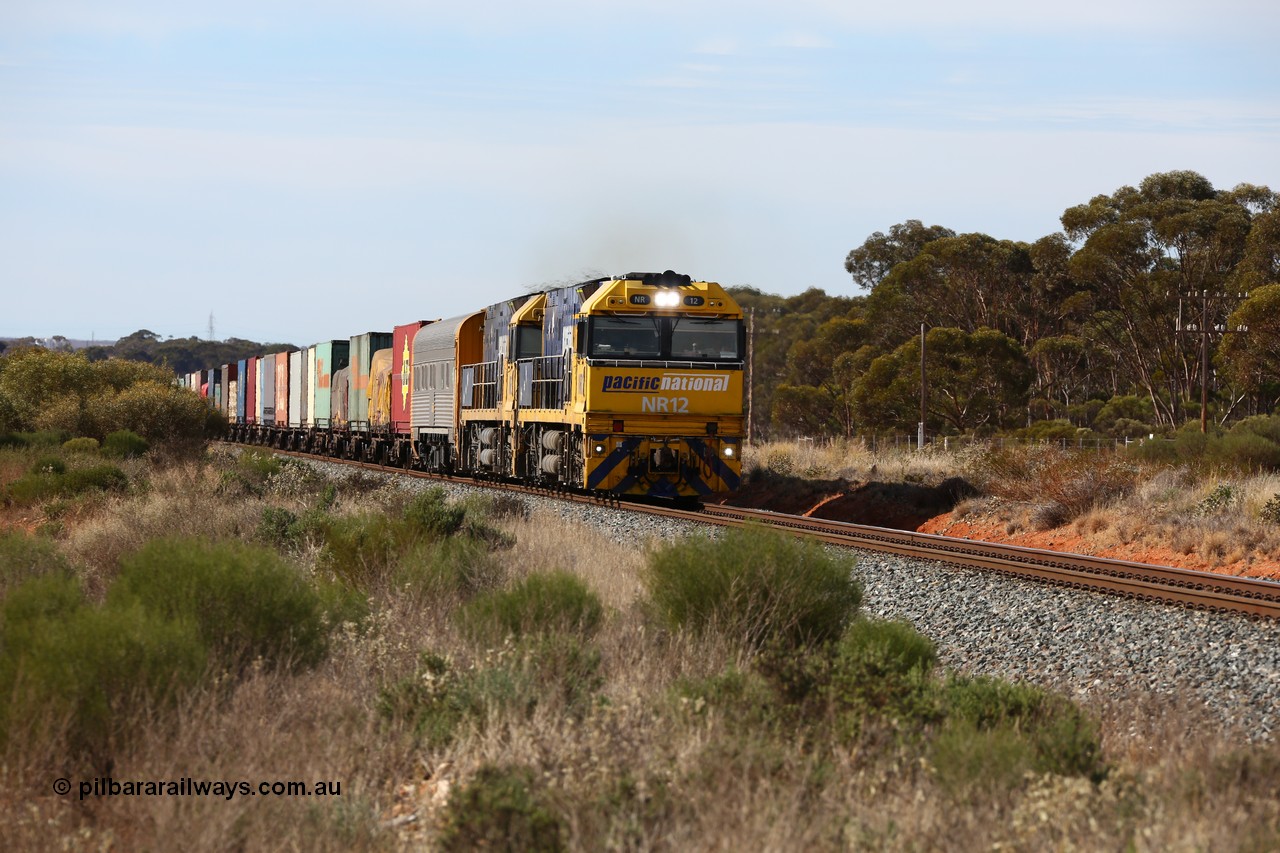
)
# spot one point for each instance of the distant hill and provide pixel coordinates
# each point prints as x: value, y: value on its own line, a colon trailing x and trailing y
x: 54, y: 342
x: 181, y: 355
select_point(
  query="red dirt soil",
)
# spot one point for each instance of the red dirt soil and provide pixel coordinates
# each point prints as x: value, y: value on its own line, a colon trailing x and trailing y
x: 906, y: 506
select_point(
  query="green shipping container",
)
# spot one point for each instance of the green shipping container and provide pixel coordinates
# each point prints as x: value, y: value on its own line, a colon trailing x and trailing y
x: 361, y: 351
x: 323, y: 360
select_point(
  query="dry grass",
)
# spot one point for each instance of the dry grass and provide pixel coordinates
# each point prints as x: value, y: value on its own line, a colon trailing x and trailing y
x: 854, y: 460
x: 636, y: 767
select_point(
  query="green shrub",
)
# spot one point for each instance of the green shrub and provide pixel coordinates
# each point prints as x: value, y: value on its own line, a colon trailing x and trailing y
x: 1060, y: 738
x: 1222, y: 496
x: 743, y: 696
x: 105, y: 478
x: 23, y: 557
x: 543, y: 603
x: 359, y: 549
x: 96, y: 670
x: 259, y: 464
x: 432, y: 514
x: 158, y: 411
x: 780, y: 462
x: 501, y: 808
x: 969, y: 761
x: 753, y: 584
x: 49, y: 465
x: 880, y: 670
x: 1271, y: 510
x: 45, y: 438
x: 432, y: 701
x: 563, y: 669
x: 33, y: 488
x: 83, y: 444
x: 1248, y: 451
x: 1058, y: 430
x: 124, y: 444
x: 368, y: 549
x: 278, y: 527
x: 458, y: 566
x: 245, y: 601
x: 1266, y: 426
x: 437, y: 700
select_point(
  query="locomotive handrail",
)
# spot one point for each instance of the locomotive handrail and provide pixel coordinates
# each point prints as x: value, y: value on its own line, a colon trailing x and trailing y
x: 668, y: 365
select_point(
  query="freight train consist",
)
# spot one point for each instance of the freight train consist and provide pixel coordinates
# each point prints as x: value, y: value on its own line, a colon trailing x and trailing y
x: 626, y: 386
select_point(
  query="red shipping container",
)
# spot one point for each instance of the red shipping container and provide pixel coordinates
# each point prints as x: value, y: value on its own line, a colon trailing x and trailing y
x: 282, y: 389
x: 250, y: 380
x: 402, y: 375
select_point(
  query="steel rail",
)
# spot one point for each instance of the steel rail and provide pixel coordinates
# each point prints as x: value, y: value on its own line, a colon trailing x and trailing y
x: 1188, y: 588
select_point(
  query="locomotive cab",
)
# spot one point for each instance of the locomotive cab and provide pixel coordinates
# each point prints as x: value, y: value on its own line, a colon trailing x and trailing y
x: 659, y: 374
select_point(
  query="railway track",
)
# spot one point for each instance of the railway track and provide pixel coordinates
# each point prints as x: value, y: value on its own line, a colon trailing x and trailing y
x: 1197, y: 590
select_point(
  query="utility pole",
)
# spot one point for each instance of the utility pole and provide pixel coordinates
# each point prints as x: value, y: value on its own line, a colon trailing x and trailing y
x: 924, y: 393
x: 751, y: 371
x: 1204, y: 330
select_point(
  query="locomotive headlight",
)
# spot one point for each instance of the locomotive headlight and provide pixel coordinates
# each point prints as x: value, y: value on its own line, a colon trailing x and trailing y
x: 666, y: 299
x: 728, y: 451
x: 598, y: 449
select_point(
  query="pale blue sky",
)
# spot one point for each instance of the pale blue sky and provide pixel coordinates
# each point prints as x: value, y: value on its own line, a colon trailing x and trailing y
x: 308, y: 170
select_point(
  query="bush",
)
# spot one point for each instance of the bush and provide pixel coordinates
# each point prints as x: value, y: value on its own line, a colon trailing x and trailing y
x: 501, y: 808
x: 23, y: 557
x: 432, y: 514
x: 454, y: 566
x: 970, y: 761
x: 96, y: 670
x: 745, y: 697
x: 1221, y: 497
x: 359, y: 549
x: 1032, y: 728
x: 81, y: 445
x: 1265, y: 426
x: 1271, y: 510
x: 1248, y: 451
x: 245, y: 601
x: 366, y: 550
x: 754, y: 584
x: 33, y: 488
x: 433, y: 701
x: 437, y: 700
x: 124, y: 444
x: 48, y: 438
x: 278, y: 527
x: 259, y: 465
x: 49, y: 465
x: 541, y: 604
x: 157, y: 410
x: 881, y: 669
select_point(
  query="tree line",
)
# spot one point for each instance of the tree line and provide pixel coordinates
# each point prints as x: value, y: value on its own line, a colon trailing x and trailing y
x: 1096, y: 328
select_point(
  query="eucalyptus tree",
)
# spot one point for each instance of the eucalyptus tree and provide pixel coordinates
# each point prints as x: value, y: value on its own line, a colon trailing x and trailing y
x: 1143, y: 252
x: 880, y: 253
x: 976, y: 380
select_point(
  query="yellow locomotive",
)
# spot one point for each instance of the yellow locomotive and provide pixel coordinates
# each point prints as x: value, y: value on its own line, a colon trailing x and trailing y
x: 630, y: 385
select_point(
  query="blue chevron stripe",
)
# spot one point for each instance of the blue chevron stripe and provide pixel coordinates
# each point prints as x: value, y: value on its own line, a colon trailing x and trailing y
x: 731, y: 479
x: 619, y: 454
